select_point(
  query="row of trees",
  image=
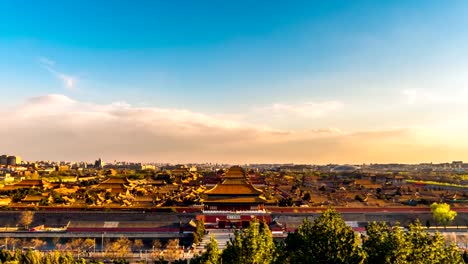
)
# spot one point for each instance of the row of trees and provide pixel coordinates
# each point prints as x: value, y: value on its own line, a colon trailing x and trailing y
x: 36, y: 257
x: 117, y: 249
x: 329, y: 240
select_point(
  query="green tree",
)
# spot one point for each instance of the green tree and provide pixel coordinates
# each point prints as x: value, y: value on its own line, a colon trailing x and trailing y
x: 212, y: 252
x: 266, y: 249
x: 442, y: 213
x: 417, y: 246
x: 66, y: 258
x: 211, y: 255
x: 252, y: 245
x: 424, y: 246
x: 232, y: 254
x: 327, y: 240
x: 6, y: 255
x: 30, y: 257
x: 199, y: 231
x: 281, y: 255
x: 385, y: 245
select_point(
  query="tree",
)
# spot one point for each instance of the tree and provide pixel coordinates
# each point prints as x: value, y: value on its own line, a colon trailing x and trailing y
x: 89, y: 243
x: 79, y: 245
x: 38, y: 243
x: 156, y: 248
x: 251, y: 246
x: 37, y: 257
x: 173, y: 251
x: 118, y: 249
x: 211, y: 255
x: 199, y: 231
x: 266, y: 245
x: 394, y: 245
x: 442, y: 213
x: 26, y: 218
x: 30, y: 257
x: 385, y: 245
x: 138, y: 244
x: 6, y: 256
x: 281, y: 255
x: 123, y: 246
x: 157, y: 245
x: 11, y: 242
x: 327, y: 240
x: 424, y: 246
x: 212, y: 252
x: 232, y: 254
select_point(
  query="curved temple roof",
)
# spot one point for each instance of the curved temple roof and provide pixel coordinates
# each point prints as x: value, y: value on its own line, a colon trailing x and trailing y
x: 234, y: 189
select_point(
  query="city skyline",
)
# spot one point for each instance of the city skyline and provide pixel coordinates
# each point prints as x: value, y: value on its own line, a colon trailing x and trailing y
x: 305, y: 82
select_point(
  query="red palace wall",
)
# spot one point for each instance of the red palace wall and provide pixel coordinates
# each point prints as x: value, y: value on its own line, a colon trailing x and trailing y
x: 233, y: 220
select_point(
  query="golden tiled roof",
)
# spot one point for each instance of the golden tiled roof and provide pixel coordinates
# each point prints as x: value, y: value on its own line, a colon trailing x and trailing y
x: 30, y: 183
x: 235, y: 200
x: 234, y: 181
x: 233, y: 189
x: 32, y: 198
x: 235, y: 172
x: 115, y: 180
x: 180, y: 170
x: 154, y: 182
x: 24, y: 184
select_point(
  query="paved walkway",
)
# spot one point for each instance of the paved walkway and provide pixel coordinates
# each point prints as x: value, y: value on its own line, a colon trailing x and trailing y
x: 221, y: 235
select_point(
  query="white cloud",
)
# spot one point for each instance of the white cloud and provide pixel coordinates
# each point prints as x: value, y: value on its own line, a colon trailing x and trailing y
x: 67, y: 80
x: 57, y: 127
x: 427, y: 96
x: 305, y: 110
x: 410, y: 95
x: 46, y: 61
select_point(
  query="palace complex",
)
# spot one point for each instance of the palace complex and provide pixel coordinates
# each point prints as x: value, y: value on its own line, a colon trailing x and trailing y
x: 234, y: 201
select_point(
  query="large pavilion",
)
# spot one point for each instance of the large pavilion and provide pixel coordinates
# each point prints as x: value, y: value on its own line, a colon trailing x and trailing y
x: 234, y: 201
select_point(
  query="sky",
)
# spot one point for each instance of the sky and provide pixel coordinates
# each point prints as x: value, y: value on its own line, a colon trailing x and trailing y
x: 313, y: 82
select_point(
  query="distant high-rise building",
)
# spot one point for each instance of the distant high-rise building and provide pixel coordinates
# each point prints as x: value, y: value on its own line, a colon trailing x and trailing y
x: 3, y: 160
x: 457, y: 164
x: 13, y: 160
x: 98, y: 163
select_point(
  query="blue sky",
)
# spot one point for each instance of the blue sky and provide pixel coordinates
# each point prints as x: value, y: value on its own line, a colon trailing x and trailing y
x: 351, y: 66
